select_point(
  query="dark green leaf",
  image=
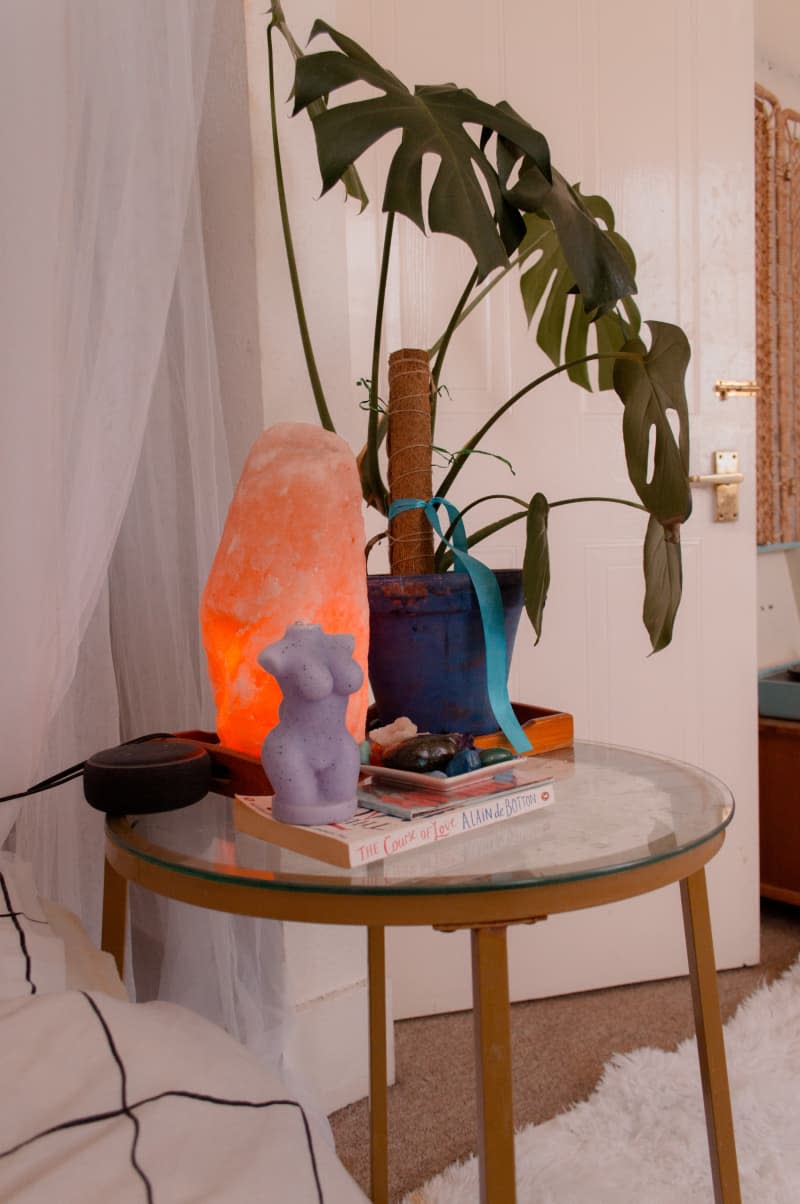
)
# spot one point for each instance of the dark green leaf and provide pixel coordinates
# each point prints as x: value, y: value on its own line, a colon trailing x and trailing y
x: 541, y: 241
x: 577, y: 344
x: 536, y: 563
x: 578, y: 266
x: 351, y: 179
x: 353, y: 186
x: 550, y: 331
x: 649, y: 388
x: 432, y: 121
x: 612, y: 331
x: 601, y: 270
x: 663, y: 577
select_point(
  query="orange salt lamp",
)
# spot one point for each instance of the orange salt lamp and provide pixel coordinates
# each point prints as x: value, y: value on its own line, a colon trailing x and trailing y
x: 292, y: 551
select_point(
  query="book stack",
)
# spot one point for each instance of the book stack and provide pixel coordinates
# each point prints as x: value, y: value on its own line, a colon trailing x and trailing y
x: 396, y: 818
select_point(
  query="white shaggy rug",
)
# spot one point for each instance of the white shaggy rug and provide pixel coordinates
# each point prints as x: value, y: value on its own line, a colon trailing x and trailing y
x: 641, y: 1138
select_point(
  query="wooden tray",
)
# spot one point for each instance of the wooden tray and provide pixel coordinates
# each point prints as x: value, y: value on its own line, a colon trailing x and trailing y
x: 238, y: 773
x: 232, y: 772
x: 546, y: 730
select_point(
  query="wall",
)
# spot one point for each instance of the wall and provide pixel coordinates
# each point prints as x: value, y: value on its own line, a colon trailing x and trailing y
x: 777, y: 49
x: 778, y: 609
x: 226, y: 185
x: 782, y: 82
x: 317, y: 232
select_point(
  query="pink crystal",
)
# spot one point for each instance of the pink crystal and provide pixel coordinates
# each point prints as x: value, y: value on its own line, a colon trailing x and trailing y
x: 292, y: 551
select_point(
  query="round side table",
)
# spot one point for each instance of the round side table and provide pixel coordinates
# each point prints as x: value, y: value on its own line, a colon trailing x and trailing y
x: 623, y: 823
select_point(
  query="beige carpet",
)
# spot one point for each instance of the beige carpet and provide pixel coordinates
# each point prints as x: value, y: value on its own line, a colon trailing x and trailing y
x: 562, y: 1043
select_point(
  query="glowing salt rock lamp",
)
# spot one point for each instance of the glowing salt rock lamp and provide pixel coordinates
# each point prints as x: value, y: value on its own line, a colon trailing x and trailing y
x: 292, y: 550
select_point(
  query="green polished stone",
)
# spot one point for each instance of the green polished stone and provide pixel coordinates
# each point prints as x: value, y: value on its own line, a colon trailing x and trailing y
x: 493, y: 756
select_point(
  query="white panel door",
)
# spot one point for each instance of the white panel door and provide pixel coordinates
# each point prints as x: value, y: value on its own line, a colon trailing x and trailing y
x: 649, y: 105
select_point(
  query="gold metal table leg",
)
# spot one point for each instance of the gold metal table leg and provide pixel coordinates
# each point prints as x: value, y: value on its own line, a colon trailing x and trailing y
x: 378, y: 1094
x: 710, y: 1041
x: 492, y: 1028
x: 115, y: 914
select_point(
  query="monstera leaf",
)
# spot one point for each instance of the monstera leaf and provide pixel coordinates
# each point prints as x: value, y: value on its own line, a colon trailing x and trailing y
x: 602, y: 274
x: 536, y: 562
x: 663, y: 575
x: 432, y: 120
x: 649, y: 387
x: 563, y: 335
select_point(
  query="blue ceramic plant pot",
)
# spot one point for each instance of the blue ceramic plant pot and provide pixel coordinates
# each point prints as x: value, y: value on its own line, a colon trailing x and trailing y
x: 426, y: 649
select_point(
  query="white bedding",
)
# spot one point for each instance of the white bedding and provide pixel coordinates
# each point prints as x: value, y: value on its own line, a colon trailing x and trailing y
x: 105, y: 1100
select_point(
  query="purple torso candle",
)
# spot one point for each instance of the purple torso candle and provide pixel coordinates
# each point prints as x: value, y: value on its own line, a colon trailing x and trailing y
x: 310, y: 758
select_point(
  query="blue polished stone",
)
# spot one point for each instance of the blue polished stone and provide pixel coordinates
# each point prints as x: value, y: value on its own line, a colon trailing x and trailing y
x: 463, y: 762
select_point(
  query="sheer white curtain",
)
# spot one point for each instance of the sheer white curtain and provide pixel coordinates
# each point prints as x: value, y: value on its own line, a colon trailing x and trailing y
x: 99, y: 123
x: 226, y: 967
x: 114, y: 474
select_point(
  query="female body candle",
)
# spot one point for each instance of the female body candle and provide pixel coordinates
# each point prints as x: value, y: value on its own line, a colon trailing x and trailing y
x: 310, y: 758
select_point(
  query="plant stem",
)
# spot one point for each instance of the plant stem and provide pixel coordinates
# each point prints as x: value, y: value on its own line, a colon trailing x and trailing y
x: 444, y: 342
x: 305, y: 338
x: 462, y: 457
x: 617, y: 501
x: 489, y: 497
x: 372, y: 466
x: 442, y: 552
x: 444, y: 557
x: 463, y: 313
x: 279, y: 21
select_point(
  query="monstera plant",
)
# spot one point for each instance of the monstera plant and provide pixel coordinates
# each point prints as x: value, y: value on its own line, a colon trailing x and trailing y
x: 496, y: 189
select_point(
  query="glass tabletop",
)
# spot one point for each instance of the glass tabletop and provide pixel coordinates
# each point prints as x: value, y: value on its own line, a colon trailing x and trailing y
x: 614, y: 809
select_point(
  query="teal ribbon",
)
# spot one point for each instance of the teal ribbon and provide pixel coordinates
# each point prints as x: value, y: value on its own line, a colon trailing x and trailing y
x: 490, y: 605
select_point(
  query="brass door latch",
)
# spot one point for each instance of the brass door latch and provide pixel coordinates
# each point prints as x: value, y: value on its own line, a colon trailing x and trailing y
x: 726, y: 479
x: 739, y: 388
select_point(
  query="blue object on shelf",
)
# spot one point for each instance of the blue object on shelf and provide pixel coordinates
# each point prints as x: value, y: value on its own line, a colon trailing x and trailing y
x: 779, y: 692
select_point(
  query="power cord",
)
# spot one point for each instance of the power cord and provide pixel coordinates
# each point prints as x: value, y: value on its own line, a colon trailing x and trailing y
x: 75, y: 771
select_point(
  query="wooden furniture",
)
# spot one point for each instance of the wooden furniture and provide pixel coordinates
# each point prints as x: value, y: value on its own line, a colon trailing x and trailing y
x: 779, y: 808
x: 623, y: 823
x: 239, y: 773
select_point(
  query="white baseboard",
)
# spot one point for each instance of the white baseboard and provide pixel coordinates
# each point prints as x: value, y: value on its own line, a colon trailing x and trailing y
x: 329, y: 1046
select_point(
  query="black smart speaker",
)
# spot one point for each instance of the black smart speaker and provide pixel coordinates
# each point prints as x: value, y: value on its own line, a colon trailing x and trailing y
x: 146, y: 777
